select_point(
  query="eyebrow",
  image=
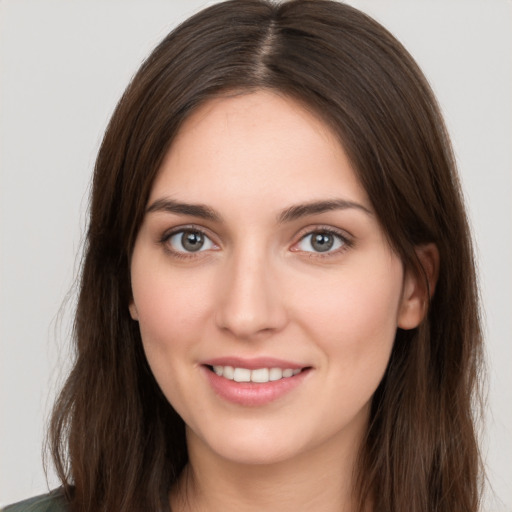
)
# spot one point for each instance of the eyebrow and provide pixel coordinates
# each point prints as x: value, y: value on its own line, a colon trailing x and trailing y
x: 316, y: 207
x: 289, y: 214
x: 195, y: 210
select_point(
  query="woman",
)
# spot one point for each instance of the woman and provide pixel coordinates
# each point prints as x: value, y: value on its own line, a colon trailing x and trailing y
x: 278, y: 306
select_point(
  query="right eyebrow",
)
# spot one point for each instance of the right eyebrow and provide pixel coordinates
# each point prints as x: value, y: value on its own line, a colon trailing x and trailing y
x: 195, y: 210
x: 316, y: 207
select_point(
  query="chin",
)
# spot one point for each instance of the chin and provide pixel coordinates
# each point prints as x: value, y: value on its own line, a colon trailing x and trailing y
x: 250, y: 447
x: 251, y: 454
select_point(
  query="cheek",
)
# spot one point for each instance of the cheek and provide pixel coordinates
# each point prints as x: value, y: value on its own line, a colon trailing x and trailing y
x: 168, y: 306
x: 171, y: 314
x: 353, y: 318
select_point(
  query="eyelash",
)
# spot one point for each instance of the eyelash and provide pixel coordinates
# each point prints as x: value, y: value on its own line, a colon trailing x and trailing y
x: 346, y: 241
x: 166, y: 237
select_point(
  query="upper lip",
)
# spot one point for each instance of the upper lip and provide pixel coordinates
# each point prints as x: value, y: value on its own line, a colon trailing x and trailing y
x: 253, y: 363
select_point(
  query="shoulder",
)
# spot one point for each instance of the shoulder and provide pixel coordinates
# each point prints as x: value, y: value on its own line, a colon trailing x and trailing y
x: 51, y: 502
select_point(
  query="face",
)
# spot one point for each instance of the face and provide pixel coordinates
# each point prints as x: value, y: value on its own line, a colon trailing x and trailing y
x: 267, y: 295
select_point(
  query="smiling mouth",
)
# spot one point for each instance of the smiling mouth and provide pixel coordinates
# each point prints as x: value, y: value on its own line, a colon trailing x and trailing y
x: 258, y: 375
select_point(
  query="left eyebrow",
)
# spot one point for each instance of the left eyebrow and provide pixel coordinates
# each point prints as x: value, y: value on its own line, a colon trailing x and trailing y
x: 302, y: 210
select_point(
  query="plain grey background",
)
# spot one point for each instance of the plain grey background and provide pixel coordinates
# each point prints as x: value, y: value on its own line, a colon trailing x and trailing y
x: 63, y: 66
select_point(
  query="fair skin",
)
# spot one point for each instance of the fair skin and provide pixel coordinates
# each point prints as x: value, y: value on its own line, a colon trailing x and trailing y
x: 260, y: 251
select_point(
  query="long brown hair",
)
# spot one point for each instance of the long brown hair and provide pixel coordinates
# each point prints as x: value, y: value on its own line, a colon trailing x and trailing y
x: 116, y: 442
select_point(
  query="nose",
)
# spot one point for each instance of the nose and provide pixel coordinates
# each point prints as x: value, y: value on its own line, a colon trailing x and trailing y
x: 251, y: 303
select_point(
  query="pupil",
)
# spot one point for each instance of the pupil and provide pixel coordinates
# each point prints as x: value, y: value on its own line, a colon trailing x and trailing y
x: 192, y: 241
x: 322, y: 242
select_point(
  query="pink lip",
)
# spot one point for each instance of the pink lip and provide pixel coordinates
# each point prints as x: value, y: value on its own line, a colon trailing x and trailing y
x: 253, y: 363
x: 251, y: 394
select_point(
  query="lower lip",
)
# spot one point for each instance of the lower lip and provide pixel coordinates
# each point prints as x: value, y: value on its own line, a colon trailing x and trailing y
x: 253, y: 394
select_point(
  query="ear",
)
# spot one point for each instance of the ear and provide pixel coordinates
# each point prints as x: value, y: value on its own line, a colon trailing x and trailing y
x: 133, y: 311
x: 419, y: 287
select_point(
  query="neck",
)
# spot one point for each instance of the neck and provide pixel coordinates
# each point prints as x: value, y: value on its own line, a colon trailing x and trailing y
x: 320, y: 479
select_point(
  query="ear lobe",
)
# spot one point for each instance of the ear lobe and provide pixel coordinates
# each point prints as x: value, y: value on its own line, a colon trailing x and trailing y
x: 419, y: 287
x: 133, y: 311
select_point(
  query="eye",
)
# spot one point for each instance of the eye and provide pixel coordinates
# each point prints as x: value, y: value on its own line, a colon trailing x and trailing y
x: 321, y: 242
x: 189, y: 240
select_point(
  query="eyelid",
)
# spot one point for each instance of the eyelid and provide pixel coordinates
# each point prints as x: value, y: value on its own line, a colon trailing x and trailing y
x: 168, y: 234
x: 346, y: 238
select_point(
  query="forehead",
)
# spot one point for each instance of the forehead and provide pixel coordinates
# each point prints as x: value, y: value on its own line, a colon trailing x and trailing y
x: 256, y: 145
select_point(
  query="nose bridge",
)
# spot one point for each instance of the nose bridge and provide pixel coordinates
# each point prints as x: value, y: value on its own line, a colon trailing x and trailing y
x: 250, y: 303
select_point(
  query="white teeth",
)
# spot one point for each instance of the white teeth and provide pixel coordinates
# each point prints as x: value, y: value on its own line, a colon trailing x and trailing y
x: 228, y: 372
x: 242, y: 375
x: 275, y: 374
x: 260, y: 375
